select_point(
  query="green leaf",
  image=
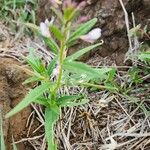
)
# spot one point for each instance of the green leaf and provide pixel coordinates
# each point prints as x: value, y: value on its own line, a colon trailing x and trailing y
x: 57, y: 33
x: 106, y: 73
x: 31, y: 79
x: 111, y: 75
x: 32, y: 26
x: 83, y: 29
x: 69, y: 13
x: 32, y: 96
x: 144, y: 56
x: 68, y: 98
x: 71, y: 100
x: 79, y: 53
x: 51, y: 66
x: 51, y: 44
x: 42, y: 101
x: 51, y: 117
x: 35, y: 62
x: 2, y: 146
x: 80, y: 68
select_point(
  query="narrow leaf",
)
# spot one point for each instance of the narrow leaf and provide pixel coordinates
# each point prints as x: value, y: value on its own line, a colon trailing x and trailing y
x: 32, y: 96
x: 31, y: 79
x: 51, y: 44
x: 34, y: 61
x: 57, y: 33
x: 79, y: 53
x: 50, y: 119
x: 42, y: 101
x: 67, y: 98
x: 32, y: 26
x: 80, y: 68
x: 69, y: 14
x: 83, y: 29
x: 51, y: 66
x: 70, y: 103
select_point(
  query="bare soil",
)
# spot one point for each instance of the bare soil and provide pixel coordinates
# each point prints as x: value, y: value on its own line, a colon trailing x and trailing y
x: 11, y: 92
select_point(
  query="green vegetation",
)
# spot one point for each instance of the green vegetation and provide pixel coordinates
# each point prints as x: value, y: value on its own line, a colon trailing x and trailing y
x: 63, y: 70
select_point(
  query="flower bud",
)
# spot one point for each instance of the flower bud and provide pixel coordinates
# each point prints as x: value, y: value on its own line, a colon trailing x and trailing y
x: 82, y: 19
x: 69, y: 4
x: 81, y: 5
x: 44, y: 28
x: 92, y: 36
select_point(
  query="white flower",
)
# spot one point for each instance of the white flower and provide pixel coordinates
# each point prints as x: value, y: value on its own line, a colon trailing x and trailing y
x: 92, y: 36
x: 44, y: 29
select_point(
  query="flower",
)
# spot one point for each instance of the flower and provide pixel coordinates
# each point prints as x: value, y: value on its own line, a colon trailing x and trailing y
x: 92, y: 36
x: 69, y: 4
x: 44, y: 27
x: 83, y: 19
x: 81, y: 5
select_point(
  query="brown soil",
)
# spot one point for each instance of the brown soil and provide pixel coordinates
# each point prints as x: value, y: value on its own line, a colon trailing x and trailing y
x: 11, y: 92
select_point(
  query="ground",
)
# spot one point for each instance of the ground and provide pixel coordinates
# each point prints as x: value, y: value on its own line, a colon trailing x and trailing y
x: 110, y: 121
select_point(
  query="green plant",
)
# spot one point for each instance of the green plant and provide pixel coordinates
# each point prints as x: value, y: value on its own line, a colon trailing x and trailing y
x: 14, y: 11
x: 63, y: 70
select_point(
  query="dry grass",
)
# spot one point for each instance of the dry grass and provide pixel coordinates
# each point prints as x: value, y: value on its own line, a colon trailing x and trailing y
x: 110, y: 121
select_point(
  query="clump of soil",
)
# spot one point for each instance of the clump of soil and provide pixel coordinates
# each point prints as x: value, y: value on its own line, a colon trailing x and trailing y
x: 11, y: 92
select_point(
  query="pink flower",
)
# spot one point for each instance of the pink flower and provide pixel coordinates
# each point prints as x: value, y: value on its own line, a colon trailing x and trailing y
x: 92, y: 36
x: 44, y: 29
x: 81, y: 5
x: 69, y: 4
x: 83, y: 19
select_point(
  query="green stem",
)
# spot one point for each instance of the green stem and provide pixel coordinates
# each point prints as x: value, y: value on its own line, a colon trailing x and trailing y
x: 97, y: 86
x: 62, y: 55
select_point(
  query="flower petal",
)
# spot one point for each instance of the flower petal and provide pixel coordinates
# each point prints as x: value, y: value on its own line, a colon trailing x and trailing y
x: 92, y: 36
x: 44, y: 29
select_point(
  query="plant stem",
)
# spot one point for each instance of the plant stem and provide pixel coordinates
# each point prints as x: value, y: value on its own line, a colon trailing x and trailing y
x: 62, y: 55
x: 97, y: 86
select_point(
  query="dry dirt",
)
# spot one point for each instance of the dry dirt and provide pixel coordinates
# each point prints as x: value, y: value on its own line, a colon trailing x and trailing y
x: 11, y: 92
